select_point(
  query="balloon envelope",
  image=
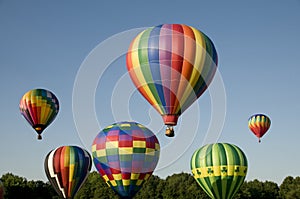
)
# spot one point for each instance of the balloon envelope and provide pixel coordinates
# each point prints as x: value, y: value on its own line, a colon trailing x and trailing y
x: 39, y: 107
x: 67, y: 168
x: 171, y: 65
x: 125, y: 155
x: 220, y: 169
x: 259, y: 124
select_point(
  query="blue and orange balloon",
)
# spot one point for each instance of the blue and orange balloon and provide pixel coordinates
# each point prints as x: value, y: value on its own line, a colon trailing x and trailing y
x: 171, y: 65
x: 39, y: 107
x: 125, y: 155
x: 259, y: 124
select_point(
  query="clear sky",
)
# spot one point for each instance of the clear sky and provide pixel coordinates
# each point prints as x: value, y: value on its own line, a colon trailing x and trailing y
x: 49, y: 44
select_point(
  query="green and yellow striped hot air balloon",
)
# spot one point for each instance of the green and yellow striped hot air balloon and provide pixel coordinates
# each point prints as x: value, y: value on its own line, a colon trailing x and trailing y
x: 220, y: 169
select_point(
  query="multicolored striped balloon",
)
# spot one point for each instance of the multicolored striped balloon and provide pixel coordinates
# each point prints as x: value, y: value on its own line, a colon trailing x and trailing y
x: 259, y: 124
x: 171, y: 65
x: 39, y: 107
x: 220, y: 169
x: 125, y: 155
x: 67, y: 167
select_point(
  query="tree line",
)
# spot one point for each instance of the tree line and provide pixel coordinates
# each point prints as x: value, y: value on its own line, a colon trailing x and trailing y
x: 179, y: 186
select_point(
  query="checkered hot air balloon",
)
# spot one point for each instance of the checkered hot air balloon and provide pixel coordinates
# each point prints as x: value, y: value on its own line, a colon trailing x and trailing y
x: 125, y: 155
x: 39, y: 107
x: 67, y: 168
x: 171, y: 65
x: 259, y: 124
x: 220, y: 169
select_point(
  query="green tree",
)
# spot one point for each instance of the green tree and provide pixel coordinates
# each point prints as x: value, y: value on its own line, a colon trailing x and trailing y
x: 152, y: 188
x: 15, y: 186
x: 19, y: 187
x: 290, y: 188
x: 182, y: 186
x: 95, y: 188
x: 257, y: 189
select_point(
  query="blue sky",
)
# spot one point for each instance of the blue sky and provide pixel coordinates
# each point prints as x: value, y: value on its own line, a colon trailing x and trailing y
x: 46, y: 43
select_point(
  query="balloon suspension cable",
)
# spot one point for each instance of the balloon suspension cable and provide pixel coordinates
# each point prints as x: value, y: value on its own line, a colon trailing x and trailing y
x: 39, y: 137
x: 170, y: 131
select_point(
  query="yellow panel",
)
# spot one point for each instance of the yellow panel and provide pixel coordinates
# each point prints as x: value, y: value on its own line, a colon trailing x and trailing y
x: 111, y: 144
x: 117, y: 176
x: 134, y: 176
x: 125, y: 150
x: 157, y: 147
x: 139, y: 182
x: 150, y: 151
x: 139, y: 144
x: 134, y: 51
x: 126, y: 182
x: 101, y: 152
x: 113, y: 183
x: 66, y: 156
x: 105, y: 178
x: 94, y: 147
x: 216, y: 171
x: 125, y: 125
x: 71, y: 172
x: 147, y: 176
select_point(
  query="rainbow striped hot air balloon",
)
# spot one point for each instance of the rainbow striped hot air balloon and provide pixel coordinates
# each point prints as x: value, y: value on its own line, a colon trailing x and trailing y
x: 220, y: 169
x: 67, y: 167
x: 171, y: 65
x: 39, y: 107
x: 259, y: 124
x: 125, y: 155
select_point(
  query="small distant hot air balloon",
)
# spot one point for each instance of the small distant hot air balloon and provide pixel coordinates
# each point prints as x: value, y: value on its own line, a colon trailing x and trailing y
x: 171, y: 65
x: 220, y: 169
x: 67, y: 167
x: 125, y: 155
x: 39, y: 107
x: 1, y: 190
x: 259, y: 124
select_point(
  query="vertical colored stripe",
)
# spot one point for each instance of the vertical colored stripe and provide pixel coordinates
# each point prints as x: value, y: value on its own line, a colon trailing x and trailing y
x: 136, y: 74
x: 165, y: 61
x: 154, y: 64
x: 176, y: 63
x: 143, y: 53
x: 187, y: 65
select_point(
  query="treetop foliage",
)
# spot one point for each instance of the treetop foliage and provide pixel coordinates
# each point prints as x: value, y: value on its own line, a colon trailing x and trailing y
x: 179, y: 186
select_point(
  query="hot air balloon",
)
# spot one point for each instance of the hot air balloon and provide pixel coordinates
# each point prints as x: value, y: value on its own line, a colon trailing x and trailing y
x: 125, y: 155
x: 259, y: 124
x: 220, y: 169
x: 171, y: 65
x: 67, y: 167
x: 39, y: 107
x: 1, y: 190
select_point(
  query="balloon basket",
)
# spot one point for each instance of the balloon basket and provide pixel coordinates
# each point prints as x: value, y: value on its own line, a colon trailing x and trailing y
x: 170, y: 132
